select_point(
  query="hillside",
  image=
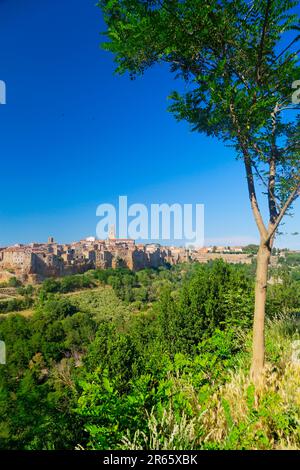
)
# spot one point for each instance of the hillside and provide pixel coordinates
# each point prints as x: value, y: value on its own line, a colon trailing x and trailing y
x: 157, y: 359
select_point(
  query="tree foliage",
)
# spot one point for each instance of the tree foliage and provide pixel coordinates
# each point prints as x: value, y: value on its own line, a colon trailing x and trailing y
x: 239, y: 59
x: 101, y: 369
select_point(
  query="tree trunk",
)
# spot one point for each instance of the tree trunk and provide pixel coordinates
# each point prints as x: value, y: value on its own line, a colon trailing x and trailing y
x: 258, y: 352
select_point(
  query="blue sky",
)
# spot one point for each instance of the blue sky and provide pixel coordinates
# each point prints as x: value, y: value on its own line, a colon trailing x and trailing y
x: 73, y: 135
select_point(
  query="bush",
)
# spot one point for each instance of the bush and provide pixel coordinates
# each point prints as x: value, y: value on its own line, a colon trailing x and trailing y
x: 14, y: 282
x: 15, y: 305
x: 214, y: 297
x: 66, y: 284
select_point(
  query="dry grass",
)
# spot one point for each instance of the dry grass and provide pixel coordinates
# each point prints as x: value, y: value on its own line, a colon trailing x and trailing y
x: 168, y: 433
x: 237, y: 416
x: 24, y: 313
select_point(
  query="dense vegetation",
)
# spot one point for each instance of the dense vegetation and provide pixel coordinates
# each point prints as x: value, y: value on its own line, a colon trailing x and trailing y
x: 157, y: 359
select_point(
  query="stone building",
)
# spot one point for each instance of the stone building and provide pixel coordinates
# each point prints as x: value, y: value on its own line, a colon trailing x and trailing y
x: 38, y: 261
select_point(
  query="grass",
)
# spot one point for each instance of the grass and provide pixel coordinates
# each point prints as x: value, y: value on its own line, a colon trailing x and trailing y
x: 9, y: 293
x: 102, y: 302
x: 236, y: 416
x: 24, y: 313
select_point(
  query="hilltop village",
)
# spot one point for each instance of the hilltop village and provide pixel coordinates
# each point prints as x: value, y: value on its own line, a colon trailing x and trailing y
x: 37, y: 261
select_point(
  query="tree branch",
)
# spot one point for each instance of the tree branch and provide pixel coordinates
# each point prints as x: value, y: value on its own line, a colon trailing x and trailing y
x: 249, y: 175
x: 262, y: 41
x: 293, y: 196
x: 272, y: 168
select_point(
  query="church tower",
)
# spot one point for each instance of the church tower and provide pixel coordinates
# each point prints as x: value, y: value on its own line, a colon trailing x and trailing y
x: 112, y: 233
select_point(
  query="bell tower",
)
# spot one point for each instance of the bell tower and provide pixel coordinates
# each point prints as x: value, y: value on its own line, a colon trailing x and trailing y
x: 112, y: 233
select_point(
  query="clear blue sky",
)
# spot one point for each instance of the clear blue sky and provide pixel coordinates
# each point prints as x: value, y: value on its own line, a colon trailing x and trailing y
x: 73, y: 135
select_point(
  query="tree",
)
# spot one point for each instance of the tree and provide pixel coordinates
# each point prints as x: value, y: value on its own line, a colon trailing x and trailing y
x: 216, y: 296
x: 239, y: 60
x: 14, y: 282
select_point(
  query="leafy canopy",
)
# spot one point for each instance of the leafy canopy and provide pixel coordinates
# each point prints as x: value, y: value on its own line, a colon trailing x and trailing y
x: 240, y: 60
